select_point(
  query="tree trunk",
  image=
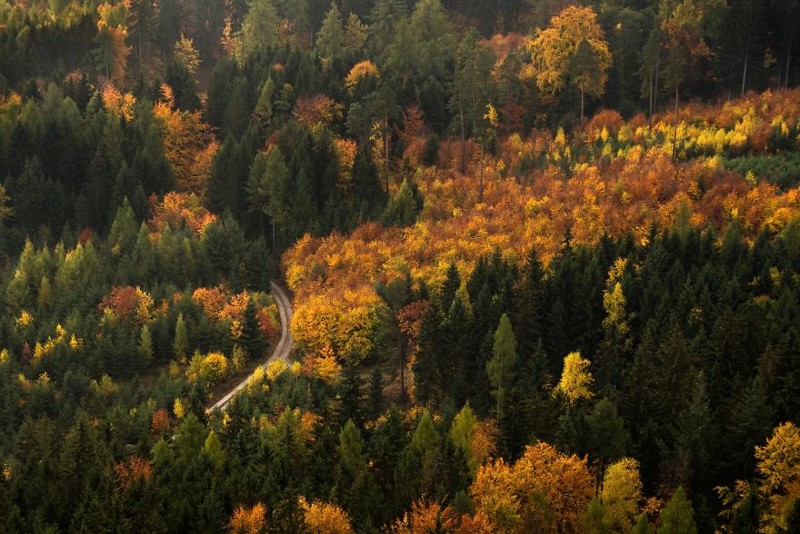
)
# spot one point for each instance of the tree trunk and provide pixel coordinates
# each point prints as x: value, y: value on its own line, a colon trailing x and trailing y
x: 675, y: 126
x: 744, y: 70
x: 580, y: 132
x: 386, y: 146
x: 403, y: 395
x: 499, y: 389
x: 655, y: 94
x: 463, y: 141
x: 788, y: 58
x: 483, y: 148
x: 650, y: 116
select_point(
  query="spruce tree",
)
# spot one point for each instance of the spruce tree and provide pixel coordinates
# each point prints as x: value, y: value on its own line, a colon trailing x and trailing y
x: 678, y: 516
x: 180, y: 343
x: 375, y: 394
x: 501, y: 369
x: 252, y: 340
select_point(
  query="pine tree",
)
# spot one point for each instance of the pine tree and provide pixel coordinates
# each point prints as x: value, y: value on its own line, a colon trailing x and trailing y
x: 351, y: 449
x: 678, y: 516
x: 330, y: 39
x: 501, y: 369
x: 180, y: 343
x: 259, y: 29
x: 252, y: 340
x: 350, y: 395
x: 375, y: 394
x: 146, y: 345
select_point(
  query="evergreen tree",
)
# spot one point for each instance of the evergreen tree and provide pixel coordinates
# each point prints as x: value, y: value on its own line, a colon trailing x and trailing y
x: 351, y: 449
x: 375, y: 400
x: 180, y: 343
x: 146, y: 345
x: 259, y: 29
x: 331, y: 39
x: 677, y: 517
x: 501, y: 369
x: 350, y: 395
x: 252, y: 340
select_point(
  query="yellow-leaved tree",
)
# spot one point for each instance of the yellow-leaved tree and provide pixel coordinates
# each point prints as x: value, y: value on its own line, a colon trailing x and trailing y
x: 325, y: 518
x: 621, y: 494
x: 576, y: 379
x: 572, y: 50
x: 544, y: 491
x: 250, y: 520
x: 778, y: 471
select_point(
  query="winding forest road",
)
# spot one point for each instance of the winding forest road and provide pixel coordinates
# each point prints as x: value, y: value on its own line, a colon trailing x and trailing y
x: 282, y: 349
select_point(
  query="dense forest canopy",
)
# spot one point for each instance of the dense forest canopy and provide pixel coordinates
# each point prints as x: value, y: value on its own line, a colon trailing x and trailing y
x: 544, y: 258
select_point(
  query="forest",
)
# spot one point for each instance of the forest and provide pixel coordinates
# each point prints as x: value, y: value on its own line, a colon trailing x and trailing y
x: 544, y: 257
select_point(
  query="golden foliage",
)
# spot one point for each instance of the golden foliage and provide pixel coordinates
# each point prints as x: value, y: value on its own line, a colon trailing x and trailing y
x: 553, y: 48
x: 638, y: 185
x: 325, y: 518
x: 360, y: 71
x: 778, y: 471
x: 576, y: 379
x: 427, y: 517
x: 622, y: 494
x: 346, y: 150
x: 176, y: 209
x: 544, y: 491
x: 189, y: 143
x: 252, y: 520
x: 118, y: 103
x: 24, y: 320
x: 326, y: 367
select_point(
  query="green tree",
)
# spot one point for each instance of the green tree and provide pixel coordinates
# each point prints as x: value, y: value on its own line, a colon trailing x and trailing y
x: 267, y: 189
x: 331, y: 37
x: 461, y: 431
x: 259, y: 29
x: 594, y: 519
x: 146, y: 344
x: 384, y: 18
x: 404, y: 207
x: 375, y: 394
x: 263, y: 109
x: 180, y: 343
x: 6, y: 211
x: 355, y: 35
x: 607, y: 433
x: 501, y: 369
x: 350, y: 395
x: 677, y: 517
x: 642, y: 526
x: 587, y: 73
x: 351, y: 448
x: 252, y: 341
x: 426, y: 438
x: 212, y: 449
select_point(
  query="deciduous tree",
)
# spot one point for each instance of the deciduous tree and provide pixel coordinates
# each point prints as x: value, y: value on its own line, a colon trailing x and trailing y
x: 572, y: 50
